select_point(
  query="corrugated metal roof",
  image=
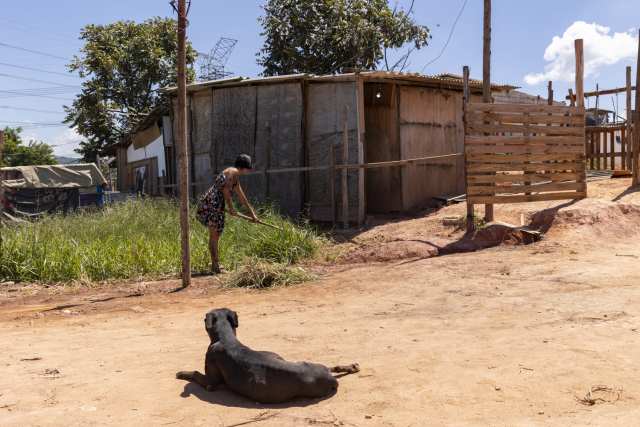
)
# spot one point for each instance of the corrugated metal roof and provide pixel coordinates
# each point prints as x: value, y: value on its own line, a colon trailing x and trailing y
x: 450, y: 81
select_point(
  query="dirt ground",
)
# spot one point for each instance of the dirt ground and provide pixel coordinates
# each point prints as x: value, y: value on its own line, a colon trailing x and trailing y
x: 510, y: 335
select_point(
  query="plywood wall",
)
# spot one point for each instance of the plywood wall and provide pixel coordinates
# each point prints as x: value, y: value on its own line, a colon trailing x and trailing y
x: 279, y: 144
x: 325, y: 119
x: 201, y: 138
x: 262, y: 121
x: 430, y: 124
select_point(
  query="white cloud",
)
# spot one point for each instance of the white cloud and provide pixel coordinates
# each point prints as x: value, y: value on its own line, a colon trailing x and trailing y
x: 65, y: 142
x: 601, y: 48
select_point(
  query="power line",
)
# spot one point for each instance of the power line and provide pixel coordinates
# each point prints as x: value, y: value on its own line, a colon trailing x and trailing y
x: 36, y: 52
x: 32, y: 28
x: 11, y: 76
x: 8, y: 107
x: 30, y: 123
x: 31, y: 95
x: 453, y: 28
x: 38, y: 70
x: 54, y: 90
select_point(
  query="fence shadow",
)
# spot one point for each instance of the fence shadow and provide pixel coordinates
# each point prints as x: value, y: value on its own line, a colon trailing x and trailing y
x: 626, y: 192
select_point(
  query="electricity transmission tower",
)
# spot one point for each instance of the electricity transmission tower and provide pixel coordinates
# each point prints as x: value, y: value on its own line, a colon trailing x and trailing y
x: 212, y: 65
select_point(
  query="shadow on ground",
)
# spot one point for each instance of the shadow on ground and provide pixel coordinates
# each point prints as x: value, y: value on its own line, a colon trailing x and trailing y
x: 225, y: 397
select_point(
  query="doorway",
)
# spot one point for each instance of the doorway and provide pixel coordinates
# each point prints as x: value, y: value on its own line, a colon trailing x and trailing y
x: 383, y: 185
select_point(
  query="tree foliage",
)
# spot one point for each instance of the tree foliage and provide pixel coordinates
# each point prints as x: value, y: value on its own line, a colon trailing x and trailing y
x: 123, y: 64
x: 327, y: 36
x: 17, y: 153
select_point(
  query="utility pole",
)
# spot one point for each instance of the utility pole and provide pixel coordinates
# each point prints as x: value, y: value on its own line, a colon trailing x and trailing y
x: 486, y: 78
x: 636, y: 124
x: 181, y: 142
x: 1, y: 187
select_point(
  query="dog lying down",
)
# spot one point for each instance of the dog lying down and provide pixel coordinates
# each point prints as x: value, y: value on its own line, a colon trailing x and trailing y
x: 262, y: 376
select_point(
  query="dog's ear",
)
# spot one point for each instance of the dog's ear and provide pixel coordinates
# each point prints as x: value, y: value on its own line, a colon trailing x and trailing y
x: 233, y: 318
x: 208, y: 321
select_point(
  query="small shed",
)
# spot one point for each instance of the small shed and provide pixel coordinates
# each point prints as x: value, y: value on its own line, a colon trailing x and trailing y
x: 297, y: 120
x: 34, y: 190
x: 141, y: 156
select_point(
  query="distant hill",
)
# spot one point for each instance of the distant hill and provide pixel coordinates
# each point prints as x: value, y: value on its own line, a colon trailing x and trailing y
x: 67, y: 160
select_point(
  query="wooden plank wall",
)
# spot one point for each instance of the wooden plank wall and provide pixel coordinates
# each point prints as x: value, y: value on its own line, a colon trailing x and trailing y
x: 609, y: 147
x: 430, y: 124
x: 279, y: 145
x: 201, y: 139
x: 325, y: 115
x: 524, y: 153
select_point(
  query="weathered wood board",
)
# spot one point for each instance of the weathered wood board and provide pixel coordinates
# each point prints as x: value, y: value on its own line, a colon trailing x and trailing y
x: 430, y: 124
x: 524, y: 153
x: 325, y: 116
x: 279, y: 144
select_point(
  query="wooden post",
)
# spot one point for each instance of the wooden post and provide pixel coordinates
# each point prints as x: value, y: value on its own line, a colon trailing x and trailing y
x: 345, y: 161
x: 1, y: 146
x: 597, y: 104
x: 572, y: 98
x: 360, y: 141
x: 579, y: 46
x: 579, y: 52
x: 550, y: 93
x: 465, y: 100
x: 596, y: 140
x: 612, y: 148
x: 623, y: 148
x: 636, y: 122
x: 332, y: 184
x: 629, y: 120
x: 181, y: 139
x: 486, y: 78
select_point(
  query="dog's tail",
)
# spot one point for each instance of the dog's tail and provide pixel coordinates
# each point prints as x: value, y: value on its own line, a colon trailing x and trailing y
x: 187, y: 375
x: 345, y: 369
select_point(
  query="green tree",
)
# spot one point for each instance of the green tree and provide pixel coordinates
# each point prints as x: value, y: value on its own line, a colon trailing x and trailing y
x: 327, y: 36
x: 17, y: 153
x: 124, y: 65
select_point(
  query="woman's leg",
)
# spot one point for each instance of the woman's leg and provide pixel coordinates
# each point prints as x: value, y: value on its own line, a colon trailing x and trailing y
x: 214, y: 236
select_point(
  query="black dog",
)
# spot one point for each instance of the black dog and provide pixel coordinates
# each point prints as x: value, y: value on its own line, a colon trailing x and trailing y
x: 262, y: 376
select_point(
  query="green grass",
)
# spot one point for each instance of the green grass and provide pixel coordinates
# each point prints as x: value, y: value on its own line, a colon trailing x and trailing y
x: 140, y: 239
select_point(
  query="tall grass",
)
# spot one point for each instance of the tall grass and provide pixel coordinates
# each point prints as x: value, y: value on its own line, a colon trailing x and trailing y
x: 140, y: 239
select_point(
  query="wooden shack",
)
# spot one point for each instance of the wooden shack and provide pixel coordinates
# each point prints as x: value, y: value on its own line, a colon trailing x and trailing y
x: 296, y: 120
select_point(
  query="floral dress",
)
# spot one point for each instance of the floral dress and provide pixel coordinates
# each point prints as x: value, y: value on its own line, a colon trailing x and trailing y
x: 211, y: 205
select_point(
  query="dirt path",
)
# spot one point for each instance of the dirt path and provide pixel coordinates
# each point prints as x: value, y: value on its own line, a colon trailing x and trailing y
x: 506, y: 336
x: 465, y: 339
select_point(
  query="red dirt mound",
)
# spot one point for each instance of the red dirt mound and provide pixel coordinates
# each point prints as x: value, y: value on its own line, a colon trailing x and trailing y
x: 589, y: 219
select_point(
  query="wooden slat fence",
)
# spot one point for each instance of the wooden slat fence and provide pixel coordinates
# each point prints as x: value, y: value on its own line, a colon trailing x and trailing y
x: 524, y: 153
x: 609, y: 147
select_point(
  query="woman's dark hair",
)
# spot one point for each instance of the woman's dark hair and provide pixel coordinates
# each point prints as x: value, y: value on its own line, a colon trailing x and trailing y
x: 243, y: 161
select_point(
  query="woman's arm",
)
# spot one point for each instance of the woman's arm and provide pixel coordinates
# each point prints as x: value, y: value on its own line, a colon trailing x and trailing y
x: 226, y: 192
x: 244, y: 201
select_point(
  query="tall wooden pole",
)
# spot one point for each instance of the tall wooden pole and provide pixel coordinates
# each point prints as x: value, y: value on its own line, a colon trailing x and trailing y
x: 181, y: 140
x: 579, y: 46
x: 486, y: 78
x: 636, y: 122
x: 550, y: 93
x: 579, y: 52
x: 465, y: 100
x: 629, y: 115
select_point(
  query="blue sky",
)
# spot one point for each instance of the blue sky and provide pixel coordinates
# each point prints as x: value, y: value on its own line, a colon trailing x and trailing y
x: 522, y: 31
